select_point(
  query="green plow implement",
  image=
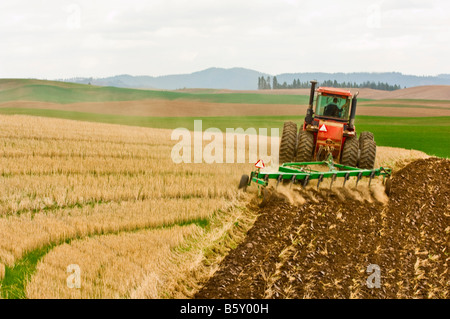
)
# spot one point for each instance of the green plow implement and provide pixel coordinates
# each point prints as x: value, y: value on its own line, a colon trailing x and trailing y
x: 301, y: 174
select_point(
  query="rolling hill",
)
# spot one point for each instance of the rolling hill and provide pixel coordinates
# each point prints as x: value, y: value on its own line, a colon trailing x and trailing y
x: 398, y: 122
x: 245, y: 79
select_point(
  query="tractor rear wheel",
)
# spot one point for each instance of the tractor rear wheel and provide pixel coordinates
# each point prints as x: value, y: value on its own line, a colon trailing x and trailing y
x: 363, y: 136
x: 305, y: 147
x: 368, y: 154
x: 350, y: 152
x: 288, y: 143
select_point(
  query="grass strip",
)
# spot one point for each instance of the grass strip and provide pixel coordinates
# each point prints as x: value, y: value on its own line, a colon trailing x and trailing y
x: 13, y: 285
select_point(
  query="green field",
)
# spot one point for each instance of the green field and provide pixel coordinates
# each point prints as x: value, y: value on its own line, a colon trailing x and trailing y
x: 430, y: 135
x: 65, y: 92
x: 42, y: 91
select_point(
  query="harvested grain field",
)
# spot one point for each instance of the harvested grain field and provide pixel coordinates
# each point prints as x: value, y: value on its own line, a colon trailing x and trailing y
x: 82, y: 190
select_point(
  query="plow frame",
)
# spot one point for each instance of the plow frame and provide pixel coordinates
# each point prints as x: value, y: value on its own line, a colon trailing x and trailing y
x: 300, y: 173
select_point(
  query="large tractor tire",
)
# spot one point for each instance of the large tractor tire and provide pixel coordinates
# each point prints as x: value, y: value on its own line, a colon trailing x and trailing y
x: 305, y: 147
x: 350, y: 151
x: 368, y: 154
x: 288, y: 143
x: 363, y: 136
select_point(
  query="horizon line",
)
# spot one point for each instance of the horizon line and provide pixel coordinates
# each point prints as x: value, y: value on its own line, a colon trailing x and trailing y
x: 227, y: 69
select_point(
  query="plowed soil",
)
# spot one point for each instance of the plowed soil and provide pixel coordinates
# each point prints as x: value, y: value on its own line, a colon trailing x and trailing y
x: 322, y: 247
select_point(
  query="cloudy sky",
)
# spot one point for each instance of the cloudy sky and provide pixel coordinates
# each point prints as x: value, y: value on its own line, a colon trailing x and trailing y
x: 61, y: 39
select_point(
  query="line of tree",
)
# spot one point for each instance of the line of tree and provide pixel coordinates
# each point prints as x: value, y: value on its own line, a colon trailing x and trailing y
x: 268, y: 84
x: 264, y: 84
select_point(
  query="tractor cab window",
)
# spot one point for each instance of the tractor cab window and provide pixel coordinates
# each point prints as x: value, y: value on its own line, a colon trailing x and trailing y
x: 333, y: 106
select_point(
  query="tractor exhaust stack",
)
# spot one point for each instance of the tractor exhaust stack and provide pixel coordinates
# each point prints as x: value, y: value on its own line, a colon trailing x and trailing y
x: 351, y: 124
x: 309, y: 112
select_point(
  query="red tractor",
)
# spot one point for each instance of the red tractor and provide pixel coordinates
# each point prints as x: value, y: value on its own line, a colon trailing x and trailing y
x: 328, y: 129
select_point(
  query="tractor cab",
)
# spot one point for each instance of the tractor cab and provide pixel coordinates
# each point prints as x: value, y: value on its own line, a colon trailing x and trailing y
x: 331, y: 121
x: 333, y: 104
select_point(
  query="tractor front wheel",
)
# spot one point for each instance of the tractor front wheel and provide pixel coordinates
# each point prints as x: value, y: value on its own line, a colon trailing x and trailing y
x: 288, y: 142
x: 350, y: 152
x: 305, y: 147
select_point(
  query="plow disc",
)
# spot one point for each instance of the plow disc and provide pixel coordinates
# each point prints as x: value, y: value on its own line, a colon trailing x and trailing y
x: 302, y: 174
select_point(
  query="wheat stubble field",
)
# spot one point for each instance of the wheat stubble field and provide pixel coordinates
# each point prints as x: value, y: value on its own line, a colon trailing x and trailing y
x: 109, y: 199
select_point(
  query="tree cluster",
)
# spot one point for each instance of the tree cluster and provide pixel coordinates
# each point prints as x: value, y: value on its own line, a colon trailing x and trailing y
x: 268, y: 84
x: 264, y: 84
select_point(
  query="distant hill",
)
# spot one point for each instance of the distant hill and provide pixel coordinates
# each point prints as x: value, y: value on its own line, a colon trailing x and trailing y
x: 245, y: 79
x: 212, y: 78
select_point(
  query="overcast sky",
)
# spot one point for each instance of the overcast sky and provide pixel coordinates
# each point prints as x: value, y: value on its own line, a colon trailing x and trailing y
x: 62, y: 39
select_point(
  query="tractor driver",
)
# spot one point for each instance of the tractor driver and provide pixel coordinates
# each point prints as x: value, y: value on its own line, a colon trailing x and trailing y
x: 332, y: 109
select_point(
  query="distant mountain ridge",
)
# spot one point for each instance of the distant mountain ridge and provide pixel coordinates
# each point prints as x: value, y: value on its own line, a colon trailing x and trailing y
x: 246, y: 79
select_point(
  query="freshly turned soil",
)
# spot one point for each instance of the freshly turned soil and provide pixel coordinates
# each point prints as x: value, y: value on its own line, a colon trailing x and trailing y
x: 323, y: 247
